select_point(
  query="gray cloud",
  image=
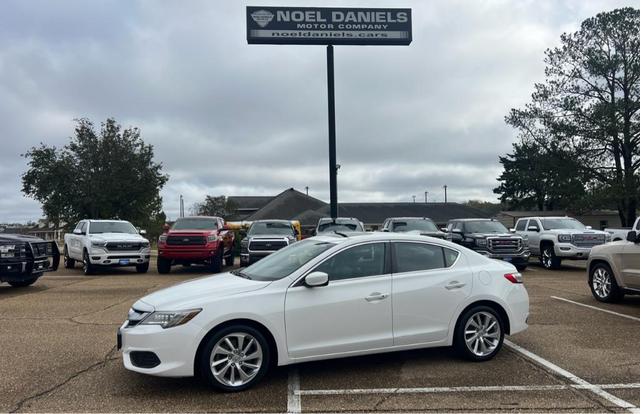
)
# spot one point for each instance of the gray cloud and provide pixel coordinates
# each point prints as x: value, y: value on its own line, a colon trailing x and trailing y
x: 230, y: 118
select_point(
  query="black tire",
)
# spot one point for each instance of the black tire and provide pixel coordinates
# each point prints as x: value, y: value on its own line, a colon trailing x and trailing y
x: 605, y: 288
x: 163, y: 265
x: 142, y: 268
x: 69, y: 262
x: 216, y: 261
x: 87, y: 267
x: 521, y: 267
x: 24, y: 283
x: 229, y: 260
x: 548, y: 258
x: 460, y: 334
x: 204, y: 362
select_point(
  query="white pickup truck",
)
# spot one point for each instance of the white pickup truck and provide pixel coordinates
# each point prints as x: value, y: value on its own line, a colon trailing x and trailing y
x: 554, y: 239
x: 97, y: 243
x: 622, y: 234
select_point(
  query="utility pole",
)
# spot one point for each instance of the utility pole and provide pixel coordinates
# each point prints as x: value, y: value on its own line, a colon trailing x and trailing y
x: 426, y: 197
x: 306, y: 190
x: 445, y: 188
x: 414, y: 198
x: 182, y: 206
x: 331, y: 120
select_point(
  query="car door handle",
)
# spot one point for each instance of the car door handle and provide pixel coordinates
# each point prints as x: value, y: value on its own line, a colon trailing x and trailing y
x: 376, y: 296
x: 454, y: 285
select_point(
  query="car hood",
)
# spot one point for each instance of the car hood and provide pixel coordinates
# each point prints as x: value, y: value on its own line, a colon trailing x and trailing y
x: 117, y: 237
x: 198, y: 292
x: 19, y: 238
x: 578, y: 231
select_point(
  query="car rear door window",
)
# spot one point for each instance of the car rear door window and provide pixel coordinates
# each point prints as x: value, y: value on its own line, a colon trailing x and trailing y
x: 450, y: 256
x: 358, y: 261
x: 412, y: 257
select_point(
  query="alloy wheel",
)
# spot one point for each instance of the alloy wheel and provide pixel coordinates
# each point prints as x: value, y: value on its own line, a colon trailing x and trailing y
x: 602, y: 282
x: 482, y: 333
x: 547, y: 258
x: 236, y: 359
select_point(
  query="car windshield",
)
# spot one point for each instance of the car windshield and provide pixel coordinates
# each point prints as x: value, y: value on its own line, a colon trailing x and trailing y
x: 485, y: 227
x: 339, y: 226
x: 99, y: 227
x: 271, y: 228
x: 414, y: 225
x: 285, y: 261
x: 195, y: 224
x: 562, y: 223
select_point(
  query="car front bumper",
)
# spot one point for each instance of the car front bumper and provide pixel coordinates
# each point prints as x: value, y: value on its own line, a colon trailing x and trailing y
x: 174, y: 347
x: 106, y: 258
x: 570, y: 251
x: 519, y: 258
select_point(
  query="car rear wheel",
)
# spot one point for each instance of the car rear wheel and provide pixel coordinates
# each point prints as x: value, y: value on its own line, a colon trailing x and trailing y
x: 87, y: 267
x: 603, y: 284
x: 479, y: 334
x: 164, y: 265
x: 69, y: 262
x: 235, y: 358
x: 548, y: 258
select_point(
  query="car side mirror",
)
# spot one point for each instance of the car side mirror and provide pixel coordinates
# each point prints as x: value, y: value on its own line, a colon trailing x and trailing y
x: 588, y: 227
x: 533, y: 228
x: 512, y: 230
x: 632, y: 237
x: 77, y: 231
x: 316, y: 279
x: 142, y: 232
x: 444, y: 229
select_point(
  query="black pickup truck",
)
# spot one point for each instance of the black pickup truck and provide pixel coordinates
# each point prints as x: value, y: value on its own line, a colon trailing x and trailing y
x: 23, y: 259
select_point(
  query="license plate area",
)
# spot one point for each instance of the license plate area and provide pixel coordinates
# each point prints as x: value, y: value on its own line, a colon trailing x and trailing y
x: 123, y: 262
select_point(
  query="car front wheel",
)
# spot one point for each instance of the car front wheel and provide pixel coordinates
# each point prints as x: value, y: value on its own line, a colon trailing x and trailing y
x: 479, y: 334
x: 87, y: 267
x: 69, y: 262
x: 548, y: 257
x: 603, y: 284
x: 235, y: 358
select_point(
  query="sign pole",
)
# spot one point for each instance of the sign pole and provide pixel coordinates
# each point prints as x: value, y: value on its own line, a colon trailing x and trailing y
x: 332, y: 133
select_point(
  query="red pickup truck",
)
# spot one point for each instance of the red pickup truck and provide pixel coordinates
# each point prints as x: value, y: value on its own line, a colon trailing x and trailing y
x: 197, y: 239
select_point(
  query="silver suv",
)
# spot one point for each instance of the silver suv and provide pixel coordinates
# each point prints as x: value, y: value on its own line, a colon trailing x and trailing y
x: 553, y: 239
x: 613, y: 269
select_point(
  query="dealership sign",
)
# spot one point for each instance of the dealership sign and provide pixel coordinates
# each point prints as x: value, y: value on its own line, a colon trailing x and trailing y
x: 328, y: 26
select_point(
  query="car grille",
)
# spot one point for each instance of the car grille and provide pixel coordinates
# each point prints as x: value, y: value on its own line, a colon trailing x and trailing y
x: 504, y: 245
x: 587, y: 240
x: 123, y: 246
x: 186, y: 240
x: 266, y: 245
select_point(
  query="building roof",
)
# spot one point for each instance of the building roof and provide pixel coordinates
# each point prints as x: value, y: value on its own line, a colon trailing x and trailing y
x: 557, y: 213
x: 376, y: 213
x: 286, y: 206
x: 249, y: 202
x: 309, y: 217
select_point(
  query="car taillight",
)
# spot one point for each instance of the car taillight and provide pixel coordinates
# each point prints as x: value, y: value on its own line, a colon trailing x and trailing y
x: 514, y: 277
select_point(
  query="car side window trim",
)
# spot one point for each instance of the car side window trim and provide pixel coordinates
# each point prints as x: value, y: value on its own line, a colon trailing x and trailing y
x: 394, y: 264
x: 387, y: 266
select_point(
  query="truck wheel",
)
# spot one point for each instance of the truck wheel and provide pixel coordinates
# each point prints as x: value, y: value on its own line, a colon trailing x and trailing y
x: 548, y: 258
x: 603, y: 284
x: 521, y: 268
x: 216, y: 261
x: 142, y: 268
x: 164, y: 265
x: 69, y: 262
x: 87, y: 267
x: 229, y: 260
x: 23, y: 283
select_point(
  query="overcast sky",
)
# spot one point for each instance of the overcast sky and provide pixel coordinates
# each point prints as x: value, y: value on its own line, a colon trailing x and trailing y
x: 226, y: 117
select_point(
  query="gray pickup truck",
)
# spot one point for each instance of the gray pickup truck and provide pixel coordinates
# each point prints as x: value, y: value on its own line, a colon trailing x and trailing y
x: 264, y: 237
x: 554, y: 239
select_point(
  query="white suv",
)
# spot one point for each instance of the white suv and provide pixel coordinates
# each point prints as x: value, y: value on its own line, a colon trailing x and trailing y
x: 553, y: 239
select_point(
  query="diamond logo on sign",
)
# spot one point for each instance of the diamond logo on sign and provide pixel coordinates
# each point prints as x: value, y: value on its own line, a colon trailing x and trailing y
x: 262, y: 17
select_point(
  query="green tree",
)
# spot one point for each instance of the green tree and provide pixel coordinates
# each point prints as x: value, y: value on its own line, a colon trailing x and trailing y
x: 588, y: 108
x: 219, y: 206
x: 100, y: 175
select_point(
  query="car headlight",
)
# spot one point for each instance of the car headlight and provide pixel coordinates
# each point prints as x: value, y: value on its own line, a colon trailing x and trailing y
x: 97, y: 244
x: 170, y: 319
x: 7, y: 250
x: 144, y: 244
x: 481, y: 242
x: 162, y: 239
x: 212, y: 238
x: 565, y: 238
x: 524, y: 237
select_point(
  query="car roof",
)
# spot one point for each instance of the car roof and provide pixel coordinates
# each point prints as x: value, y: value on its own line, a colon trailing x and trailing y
x: 272, y: 221
x: 105, y: 220
x: 409, y: 218
x: 546, y: 217
x: 346, y: 237
x: 324, y: 219
x: 475, y: 219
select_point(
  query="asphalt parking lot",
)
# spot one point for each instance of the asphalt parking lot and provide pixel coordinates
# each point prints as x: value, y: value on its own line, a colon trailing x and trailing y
x: 58, y: 355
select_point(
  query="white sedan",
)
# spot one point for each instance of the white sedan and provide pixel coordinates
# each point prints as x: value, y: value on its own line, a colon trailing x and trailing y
x: 326, y: 297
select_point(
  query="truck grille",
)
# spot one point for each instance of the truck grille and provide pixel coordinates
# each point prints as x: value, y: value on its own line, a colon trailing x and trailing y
x: 504, y: 245
x: 266, y: 245
x: 123, y: 246
x: 186, y: 240
x: 587, y: 240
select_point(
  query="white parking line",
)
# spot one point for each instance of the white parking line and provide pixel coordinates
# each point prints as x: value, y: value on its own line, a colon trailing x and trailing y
x: 596, y: 308
x: 490, y: 388
x: 571, y: 377
x: 293, y: 391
